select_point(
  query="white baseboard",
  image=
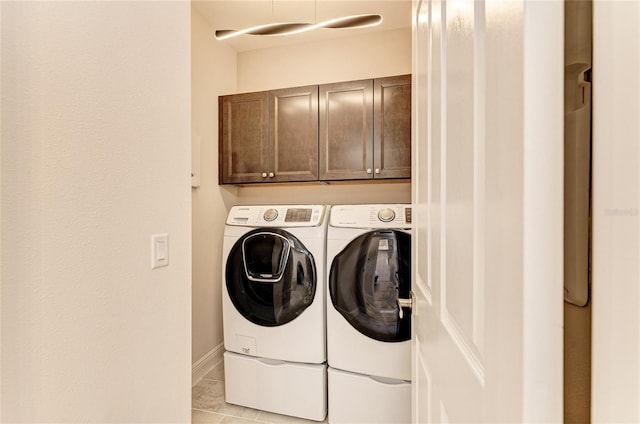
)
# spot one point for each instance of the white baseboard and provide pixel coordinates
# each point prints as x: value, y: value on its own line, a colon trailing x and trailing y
x: 206, y: 363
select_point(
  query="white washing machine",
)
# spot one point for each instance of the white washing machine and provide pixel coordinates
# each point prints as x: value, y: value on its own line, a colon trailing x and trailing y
x: 368, y: 313
x: 273, y: 306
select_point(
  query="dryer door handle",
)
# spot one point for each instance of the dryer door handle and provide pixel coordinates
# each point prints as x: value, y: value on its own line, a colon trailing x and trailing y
x: 404, y: 303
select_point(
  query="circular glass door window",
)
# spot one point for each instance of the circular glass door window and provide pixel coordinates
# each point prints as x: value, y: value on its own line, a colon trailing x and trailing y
x: 366, y: 280
x: 270, y: 276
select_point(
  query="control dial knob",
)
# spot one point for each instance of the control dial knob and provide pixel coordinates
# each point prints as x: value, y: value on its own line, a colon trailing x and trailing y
x: 386, y: 215
x: 270, y: 214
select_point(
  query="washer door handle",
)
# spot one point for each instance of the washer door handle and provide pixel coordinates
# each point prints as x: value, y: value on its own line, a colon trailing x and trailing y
x: 404, y: 303
x: 284, y: 258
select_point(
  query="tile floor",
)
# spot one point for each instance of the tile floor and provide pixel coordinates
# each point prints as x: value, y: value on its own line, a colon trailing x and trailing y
x: 208, y: 405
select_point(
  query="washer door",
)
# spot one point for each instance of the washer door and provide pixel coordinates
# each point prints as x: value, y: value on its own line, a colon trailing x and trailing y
x: 366, y: 279
x: 270, y: 276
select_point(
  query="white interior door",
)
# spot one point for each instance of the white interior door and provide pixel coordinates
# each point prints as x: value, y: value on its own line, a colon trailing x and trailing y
x: 488, y: 199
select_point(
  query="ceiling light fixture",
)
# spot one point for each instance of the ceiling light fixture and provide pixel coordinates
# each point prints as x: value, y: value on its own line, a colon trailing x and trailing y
x: 289, y: 28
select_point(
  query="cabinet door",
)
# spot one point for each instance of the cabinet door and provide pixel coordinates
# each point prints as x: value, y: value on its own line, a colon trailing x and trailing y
x: 346, y: 130
x: 392, y: 127
x: 244, y: 138
x: 293, y: 119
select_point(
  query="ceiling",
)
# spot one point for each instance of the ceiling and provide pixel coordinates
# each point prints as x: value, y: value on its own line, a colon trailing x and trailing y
x: 240, y: 14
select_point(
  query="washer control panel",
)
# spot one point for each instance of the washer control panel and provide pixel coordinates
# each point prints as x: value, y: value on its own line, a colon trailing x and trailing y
x: 371, y: 216
x: 277, y: 215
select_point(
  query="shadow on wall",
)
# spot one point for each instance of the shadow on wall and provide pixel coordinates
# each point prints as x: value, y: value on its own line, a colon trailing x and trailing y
x: 330, y: 194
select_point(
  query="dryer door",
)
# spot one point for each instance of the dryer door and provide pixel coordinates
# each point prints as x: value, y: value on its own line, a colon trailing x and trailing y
x: 366, y: 279
x: 270, y: 276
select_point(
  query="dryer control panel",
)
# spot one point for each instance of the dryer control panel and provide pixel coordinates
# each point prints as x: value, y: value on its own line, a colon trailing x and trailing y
x: 277, y: 215
x: 371, y: 216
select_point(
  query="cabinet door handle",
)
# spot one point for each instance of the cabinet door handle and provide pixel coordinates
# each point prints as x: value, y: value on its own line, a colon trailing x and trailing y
x: 368, y: 170
x: 271, y: 175
x: 264, y: 175
x: 377, y: 170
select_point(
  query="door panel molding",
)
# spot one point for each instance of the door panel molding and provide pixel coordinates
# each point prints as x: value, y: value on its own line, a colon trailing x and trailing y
x: 479, y: 176
x: 462, y: 179
x: 466, y: 347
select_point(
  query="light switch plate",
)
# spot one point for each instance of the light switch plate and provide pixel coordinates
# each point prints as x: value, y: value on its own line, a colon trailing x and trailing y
x: 159, y: 250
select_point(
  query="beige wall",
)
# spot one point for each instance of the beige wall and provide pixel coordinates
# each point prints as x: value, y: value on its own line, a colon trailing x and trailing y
x: 615, y: 212
x: 331, y: 194
x: 343, y: 59
x: 95, y: 159
x: 213, y: 73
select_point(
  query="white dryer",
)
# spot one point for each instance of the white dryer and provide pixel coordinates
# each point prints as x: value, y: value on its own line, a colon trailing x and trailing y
x: 273, y: 306
x: 368, y: 316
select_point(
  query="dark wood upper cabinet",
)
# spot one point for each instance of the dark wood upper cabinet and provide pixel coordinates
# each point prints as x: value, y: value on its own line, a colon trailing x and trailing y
x: 365, y: 129
x: 392, y: 127
x: 352, y: 130
x: 270, y: 136
x: 293, y: 118
x: 346, y: 130
x: 244, y: 137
